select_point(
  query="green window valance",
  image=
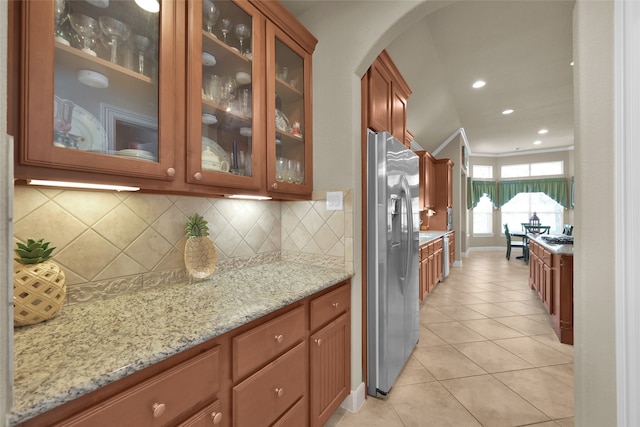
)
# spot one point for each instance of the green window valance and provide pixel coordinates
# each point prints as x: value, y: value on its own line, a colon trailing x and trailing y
x: 556, y: 188
x: 477, y: 189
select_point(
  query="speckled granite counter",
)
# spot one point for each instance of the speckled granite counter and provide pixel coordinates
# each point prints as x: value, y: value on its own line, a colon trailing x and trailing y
x: 90, y: 345
x: 429, y: 236
x: 553, y: 248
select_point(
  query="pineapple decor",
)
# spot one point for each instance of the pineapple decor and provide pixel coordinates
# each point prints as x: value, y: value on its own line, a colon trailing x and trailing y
x: 39, y: 286
x: 200, y: 255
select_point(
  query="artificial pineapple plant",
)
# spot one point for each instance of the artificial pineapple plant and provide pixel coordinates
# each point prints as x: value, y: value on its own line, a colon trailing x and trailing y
x: 39, y: 286
x: 200, y: 255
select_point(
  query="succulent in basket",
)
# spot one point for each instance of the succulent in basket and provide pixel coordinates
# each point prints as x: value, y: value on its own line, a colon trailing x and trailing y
x: 200, y: 255
x: 39, y: 285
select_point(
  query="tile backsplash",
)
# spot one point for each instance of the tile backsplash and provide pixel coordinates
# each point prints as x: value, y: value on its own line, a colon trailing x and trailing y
x: 110, y: 243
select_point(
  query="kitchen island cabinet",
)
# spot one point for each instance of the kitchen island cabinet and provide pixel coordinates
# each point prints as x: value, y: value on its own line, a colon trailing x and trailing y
x: 431, y: 264
x: 551, y: 276
x: 127, y: 346
x: 143, y: 129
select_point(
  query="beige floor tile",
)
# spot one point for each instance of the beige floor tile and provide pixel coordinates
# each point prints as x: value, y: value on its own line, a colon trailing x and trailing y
x: 490, y: 310
x: 562, y: 373
x: 545, y: 391
x: 492, y: 403
x: 460, y: 312
x: 374, y: 413
x: 413, y: 373
x: 493, y: 297
x: 466, y: 298
x: 428, y: 338
x: 446, y: 362
x: 491, y: 357
x: 430, y: 314
x: 524, y: 325
x: 542, y: 318
x: 545, y: 424
x: 519, y: 295
x: 565, y: 422
x: 439, y: 301
x: 553, y: 341
x: 491, y: 329
x: 429, y: 404
x: 521, y: 308
x: 454, y: 332
x: 534, y: 352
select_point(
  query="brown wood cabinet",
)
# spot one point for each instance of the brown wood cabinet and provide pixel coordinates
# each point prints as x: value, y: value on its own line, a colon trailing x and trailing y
x: 444, y: 183
x: 431, y: 267
x: 551, y: 276
x: 452, y: 248
x: 427, y: 188
x: 388, y: 93
x: 288, y: 368
x: 144, y: 129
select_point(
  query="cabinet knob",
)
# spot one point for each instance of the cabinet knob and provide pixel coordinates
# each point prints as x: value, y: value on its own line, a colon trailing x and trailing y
x: 319, y: 342
x: 171, y: 172
x: 279, y: 391
x: 158, y: 409
x: 335, y: 305
x: 274, y: 185
x: 279, y: 338
x: 197, y: 176
x: 216, y: 417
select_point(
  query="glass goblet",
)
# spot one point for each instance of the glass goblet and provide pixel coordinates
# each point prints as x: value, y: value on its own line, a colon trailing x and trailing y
x: 228, y: 90
x: 87, y: 28
x: 140, y: 44
x: 61, y: 12
x: 242, y: 33
x: 210, y: 15
x: 225, y: 27
x: 116, y: 32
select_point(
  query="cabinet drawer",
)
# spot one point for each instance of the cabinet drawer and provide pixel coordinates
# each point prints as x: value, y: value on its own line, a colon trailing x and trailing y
x: 437, y: 245
x: 266, y: 395
x: 263, y: 343
x: 330, y: 306
x: 295, y: 417
x: 430, y: 249
x: 160, y: 400
x: 210, y: 416
x: 546, y: 257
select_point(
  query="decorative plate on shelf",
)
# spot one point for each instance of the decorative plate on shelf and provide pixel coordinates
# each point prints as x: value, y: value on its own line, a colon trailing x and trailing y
x: 84, y: 124
x: 216, y: 149
x: 282, y: 122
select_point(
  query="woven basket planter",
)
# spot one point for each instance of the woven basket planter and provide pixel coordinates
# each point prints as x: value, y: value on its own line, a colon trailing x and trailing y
x: 39, y: 291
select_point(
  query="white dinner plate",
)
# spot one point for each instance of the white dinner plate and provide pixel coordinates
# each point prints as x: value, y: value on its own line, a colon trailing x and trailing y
x: 84, y: 124
x: 217, y: 150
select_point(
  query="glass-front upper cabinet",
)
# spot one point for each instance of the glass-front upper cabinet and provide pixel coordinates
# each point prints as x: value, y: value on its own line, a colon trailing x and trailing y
x: 289, y: 161
x: 224, y: 110
x: 98, y: 79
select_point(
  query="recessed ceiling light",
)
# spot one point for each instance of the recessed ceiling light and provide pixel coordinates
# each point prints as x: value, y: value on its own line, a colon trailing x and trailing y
x: 507, y: 111
x: 543, y: 131
x: 571, y: 63
x: 478, y: 84
x: 538, y: 142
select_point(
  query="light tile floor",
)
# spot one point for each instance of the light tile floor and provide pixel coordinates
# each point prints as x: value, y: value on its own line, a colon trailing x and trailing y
x: 487, y: 356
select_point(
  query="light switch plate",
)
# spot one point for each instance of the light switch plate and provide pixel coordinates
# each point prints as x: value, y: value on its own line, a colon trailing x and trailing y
x: 334, y: 201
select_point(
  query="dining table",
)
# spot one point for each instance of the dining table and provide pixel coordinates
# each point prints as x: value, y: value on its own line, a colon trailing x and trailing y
x: 529, y: 229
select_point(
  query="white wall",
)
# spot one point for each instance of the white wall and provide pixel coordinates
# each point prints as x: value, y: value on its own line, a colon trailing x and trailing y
x: 594, y: 273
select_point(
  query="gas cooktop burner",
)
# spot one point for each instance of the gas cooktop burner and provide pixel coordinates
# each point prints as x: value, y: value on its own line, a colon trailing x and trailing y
x: 559, y: 239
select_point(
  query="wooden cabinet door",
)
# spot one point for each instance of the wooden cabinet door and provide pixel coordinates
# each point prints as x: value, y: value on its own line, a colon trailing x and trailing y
x: 224, y: 92
x: 98, y: 107
x: 379, y: 97
x: 424, y: 274
x: 427, y: 180
x: 398, y: 113
x: 329, y: 364
x: 547, y: 288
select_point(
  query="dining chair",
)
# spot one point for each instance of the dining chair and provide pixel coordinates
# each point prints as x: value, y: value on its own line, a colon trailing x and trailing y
x: 517, y: 244
x: 538, y: 229
x: 568, y: 230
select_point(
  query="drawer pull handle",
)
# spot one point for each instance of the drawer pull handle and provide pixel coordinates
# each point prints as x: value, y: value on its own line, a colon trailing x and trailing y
x: 319, y: 342
x: 216, y: 417
x: 158, y: 409
x: 335, y: 305
x: 279, y: 338
x: 279, y: 391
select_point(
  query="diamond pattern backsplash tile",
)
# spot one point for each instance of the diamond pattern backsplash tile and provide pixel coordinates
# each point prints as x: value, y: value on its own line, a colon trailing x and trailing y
x: 109, y: 243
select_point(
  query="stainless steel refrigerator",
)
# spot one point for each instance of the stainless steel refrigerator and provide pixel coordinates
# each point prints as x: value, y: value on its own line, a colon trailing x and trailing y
x: 393, y: 320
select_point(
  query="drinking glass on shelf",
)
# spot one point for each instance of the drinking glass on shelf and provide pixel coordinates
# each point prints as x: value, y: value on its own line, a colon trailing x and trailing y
x: 210, y: 15
x: 228, y: 92
x: 281, y: 163
x: 117, y: 32
x: 242, y: 32
x: 140, y: 44
x: 225, y: 27
x: 87, y: 28
x: 213, y: 88
x: 61, y: 12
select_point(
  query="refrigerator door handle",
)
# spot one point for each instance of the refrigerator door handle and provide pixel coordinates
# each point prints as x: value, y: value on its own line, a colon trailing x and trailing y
x: 407, y: 227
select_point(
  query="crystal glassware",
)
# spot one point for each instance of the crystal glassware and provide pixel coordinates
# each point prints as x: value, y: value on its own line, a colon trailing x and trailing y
x: 242, y: 32
x: 228, y: 92
x: 210, y: 15
x: 225, y: 27
x: 87, y: 28
x: 140, y: 44
x: 117, y: 32
x: 61, y: 13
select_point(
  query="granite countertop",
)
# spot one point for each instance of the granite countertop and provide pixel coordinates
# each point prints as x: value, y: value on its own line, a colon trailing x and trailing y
x: 90, y: 345
x: 429, y: 236
x: 554, y: 248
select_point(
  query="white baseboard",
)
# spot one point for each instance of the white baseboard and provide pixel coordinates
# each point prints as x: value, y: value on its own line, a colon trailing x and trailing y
x: 355, y: 400
x: 457, y: 263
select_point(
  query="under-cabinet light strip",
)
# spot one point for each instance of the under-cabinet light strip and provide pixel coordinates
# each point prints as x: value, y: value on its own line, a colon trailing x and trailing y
x: 247, y: 197
x: 83, y: 185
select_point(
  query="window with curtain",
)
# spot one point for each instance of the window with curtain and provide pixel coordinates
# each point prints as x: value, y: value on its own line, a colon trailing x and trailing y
x: 532, y: 169
x: 483, y: 171
x: 519, y: 209
x: 483, y: 216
